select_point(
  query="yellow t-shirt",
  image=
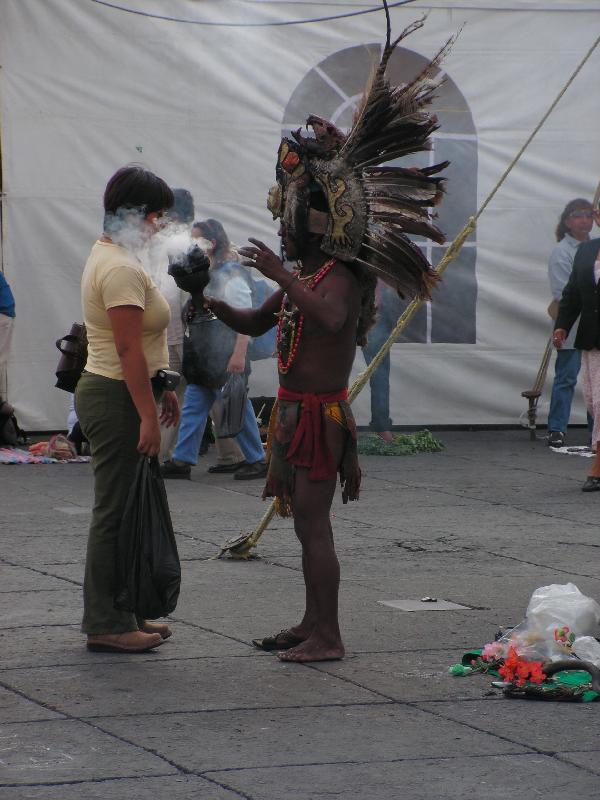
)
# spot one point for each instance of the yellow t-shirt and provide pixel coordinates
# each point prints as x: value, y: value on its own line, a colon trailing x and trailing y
x: 114, y: 277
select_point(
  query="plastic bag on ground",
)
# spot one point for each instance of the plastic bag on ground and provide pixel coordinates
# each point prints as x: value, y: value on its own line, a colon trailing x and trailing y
x: 588, y: 649
x: 228, y: 409
x: 561, y: 606
x: 556, y: 615
x: 148, y: 568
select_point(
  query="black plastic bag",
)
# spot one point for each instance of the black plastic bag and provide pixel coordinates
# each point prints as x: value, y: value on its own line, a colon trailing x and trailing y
x: 148, y: 569
x: 228, y: 409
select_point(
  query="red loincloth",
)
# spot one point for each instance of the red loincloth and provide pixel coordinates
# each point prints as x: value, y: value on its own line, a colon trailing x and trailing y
x: 297, y: 438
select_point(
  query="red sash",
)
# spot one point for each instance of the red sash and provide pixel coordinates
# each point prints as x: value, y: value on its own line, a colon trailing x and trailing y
x: 309, y: 447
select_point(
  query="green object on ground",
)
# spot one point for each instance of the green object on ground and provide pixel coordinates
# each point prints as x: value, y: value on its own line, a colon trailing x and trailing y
x: 459, y: 670
x: 403, y: 444
x: 568, y: 685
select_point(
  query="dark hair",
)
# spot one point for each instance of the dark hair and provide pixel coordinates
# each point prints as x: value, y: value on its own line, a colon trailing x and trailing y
x: 579, y: 204
x: 183, y: 206
x: 213, y: 230
x: 136, y: 187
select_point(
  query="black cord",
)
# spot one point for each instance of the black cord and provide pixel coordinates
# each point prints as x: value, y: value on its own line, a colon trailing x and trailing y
x: 117, y: 7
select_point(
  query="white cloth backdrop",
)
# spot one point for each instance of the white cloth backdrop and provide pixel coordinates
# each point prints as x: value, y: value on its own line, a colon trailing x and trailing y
x: 86, y: 88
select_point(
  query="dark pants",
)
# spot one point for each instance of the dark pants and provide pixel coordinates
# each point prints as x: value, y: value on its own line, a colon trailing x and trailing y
x: 111, y: 423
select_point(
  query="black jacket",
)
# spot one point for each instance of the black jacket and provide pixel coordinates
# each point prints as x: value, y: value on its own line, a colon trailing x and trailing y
x: 581, y: 295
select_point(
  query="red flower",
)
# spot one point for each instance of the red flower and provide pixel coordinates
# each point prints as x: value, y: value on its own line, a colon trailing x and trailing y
x: 518, y: 670
x: 537, y: 675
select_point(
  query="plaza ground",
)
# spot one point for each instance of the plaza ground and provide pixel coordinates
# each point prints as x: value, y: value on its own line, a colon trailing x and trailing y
x: 481, y: 524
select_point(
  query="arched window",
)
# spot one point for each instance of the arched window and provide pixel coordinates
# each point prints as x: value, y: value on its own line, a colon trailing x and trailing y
x: 332, y: 89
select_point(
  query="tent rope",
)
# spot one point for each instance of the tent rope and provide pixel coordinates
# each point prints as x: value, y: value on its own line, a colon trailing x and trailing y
x: 244, y: 544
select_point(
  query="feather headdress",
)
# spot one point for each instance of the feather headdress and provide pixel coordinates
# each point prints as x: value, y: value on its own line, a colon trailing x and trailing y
x: 370, y: 208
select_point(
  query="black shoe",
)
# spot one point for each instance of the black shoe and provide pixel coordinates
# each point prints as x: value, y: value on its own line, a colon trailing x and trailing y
x: 172, y: 470
x: 592, y: 484
x: 221, y: 468
x: 251, y: 471
x: 556, y: 439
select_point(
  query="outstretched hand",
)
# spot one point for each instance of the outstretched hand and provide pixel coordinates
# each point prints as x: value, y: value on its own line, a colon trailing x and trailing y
x: 265, y: 260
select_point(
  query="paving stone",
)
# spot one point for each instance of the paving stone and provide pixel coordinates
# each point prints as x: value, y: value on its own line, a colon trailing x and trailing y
x: 590, y: 759
x: 175, y: 787
x: 153, y: 686
x: 492, y: 778
x: 21, y: 579
x: 578, y: 728
x: 481, y: 524
x: 64, y: 645
x: 411, y: 676
x: 14, y: 708
x: 59, y: 607
x: 67, y: 750
x: 284, y: 737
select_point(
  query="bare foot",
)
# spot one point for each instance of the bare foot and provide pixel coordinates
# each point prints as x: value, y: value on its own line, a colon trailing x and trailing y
x: 301, y: 631
x: 313, y: 649
x: 387, y: 436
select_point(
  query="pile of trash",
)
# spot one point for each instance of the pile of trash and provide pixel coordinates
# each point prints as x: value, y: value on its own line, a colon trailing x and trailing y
x: 552, y: 653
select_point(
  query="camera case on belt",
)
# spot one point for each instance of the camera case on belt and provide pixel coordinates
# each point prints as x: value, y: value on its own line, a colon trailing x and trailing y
x: 166, y: 379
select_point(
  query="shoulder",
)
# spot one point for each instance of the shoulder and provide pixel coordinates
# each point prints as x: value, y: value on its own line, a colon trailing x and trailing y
x: 590, y: 247
x: 587, y: 251
x: 344, y: 274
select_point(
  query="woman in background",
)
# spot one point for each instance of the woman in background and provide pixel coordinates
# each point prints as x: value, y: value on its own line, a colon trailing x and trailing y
x: 581, y: 298
x: 227, y: 282
x: 126, y: 319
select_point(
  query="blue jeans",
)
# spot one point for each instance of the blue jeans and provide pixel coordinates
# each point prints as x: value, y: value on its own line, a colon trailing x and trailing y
x: 379, y: 381
x: 566, y: 371
x: 197, y: 402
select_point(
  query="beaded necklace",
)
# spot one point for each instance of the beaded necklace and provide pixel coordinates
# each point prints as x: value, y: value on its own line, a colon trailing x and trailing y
x: 290, y: 323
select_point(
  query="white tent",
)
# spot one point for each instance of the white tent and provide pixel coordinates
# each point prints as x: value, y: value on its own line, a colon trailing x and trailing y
x: 200, y: 92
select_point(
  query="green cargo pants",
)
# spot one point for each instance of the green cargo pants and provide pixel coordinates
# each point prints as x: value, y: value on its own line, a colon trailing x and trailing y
x: 111, y: 423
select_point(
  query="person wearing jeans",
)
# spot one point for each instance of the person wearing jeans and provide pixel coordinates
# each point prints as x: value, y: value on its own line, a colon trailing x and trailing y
x: 574, y: 227
x: 197, y: 402
x: 226, y: 283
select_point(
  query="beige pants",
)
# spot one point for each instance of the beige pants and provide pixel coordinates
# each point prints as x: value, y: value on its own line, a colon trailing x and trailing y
x: 228, y: 451
x: 7, y: 325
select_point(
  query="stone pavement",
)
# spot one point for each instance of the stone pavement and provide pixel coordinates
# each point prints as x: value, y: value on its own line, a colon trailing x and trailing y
x: 481, y: 524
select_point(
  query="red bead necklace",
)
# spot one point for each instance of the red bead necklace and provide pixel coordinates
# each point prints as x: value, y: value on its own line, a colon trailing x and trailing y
x: 296, y: 328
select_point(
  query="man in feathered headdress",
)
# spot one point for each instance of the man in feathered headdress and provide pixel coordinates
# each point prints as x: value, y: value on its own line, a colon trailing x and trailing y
x: 344, y: 219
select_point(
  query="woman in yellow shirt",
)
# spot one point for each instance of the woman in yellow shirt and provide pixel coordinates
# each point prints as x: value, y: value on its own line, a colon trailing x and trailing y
x: 126, y: 319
